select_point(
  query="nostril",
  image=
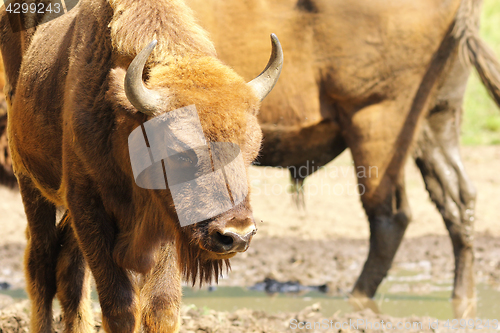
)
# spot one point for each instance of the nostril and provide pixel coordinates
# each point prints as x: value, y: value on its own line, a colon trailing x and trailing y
x: 224, y: 240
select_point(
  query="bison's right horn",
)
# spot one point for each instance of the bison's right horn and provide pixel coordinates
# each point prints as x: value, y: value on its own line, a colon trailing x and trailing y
x: 145, y: 100
x: 265, y: 82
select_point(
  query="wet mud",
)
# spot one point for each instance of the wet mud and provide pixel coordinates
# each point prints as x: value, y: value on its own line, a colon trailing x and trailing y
x: 331, y: 265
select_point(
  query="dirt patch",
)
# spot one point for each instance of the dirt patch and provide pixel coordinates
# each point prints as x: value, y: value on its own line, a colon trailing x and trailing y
x: 336, y: 263
x: 15, y: 320
x: 11, y: 269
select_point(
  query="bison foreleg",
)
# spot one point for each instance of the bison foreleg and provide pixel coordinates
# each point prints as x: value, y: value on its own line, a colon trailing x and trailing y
x: 40, y: 256
x: 161, y: 294
x: 73, y: 282
x: 96, y: 234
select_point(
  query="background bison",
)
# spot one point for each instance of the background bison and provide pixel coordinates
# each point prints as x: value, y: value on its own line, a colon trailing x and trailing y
x: 382, y: 78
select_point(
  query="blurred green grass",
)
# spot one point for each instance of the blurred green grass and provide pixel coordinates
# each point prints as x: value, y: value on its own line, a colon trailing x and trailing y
x: 481, y: 121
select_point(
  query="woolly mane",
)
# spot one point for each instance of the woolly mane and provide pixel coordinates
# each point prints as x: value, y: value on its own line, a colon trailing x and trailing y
x: 136, y: 23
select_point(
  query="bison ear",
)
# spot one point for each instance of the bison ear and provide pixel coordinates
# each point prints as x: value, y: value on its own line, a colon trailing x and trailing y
x: 116, y: 90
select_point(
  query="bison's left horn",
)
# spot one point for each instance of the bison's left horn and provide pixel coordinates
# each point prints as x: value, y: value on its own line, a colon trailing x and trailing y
x: 265, y: 82
x: 145, y: 100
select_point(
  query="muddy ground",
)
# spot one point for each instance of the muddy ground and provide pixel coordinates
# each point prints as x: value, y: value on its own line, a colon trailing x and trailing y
x: 15, y: 320
x: 326, y: 243
x: 336, y: 263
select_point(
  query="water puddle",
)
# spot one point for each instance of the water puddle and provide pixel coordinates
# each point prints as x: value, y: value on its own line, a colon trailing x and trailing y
x: 436, y: 304
x: 409, y: 290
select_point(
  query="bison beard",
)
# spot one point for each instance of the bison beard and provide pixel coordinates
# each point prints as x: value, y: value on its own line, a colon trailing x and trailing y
x: 196, y: 263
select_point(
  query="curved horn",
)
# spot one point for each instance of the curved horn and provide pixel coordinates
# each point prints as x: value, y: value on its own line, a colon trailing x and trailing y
x: 264, y: 83
x: 145, y: 100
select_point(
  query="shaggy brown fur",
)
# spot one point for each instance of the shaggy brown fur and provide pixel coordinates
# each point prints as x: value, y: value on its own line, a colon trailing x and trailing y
x: 367, y: 74
x: 136, y: 23
x: 68, y: 127
x: 7, y: 177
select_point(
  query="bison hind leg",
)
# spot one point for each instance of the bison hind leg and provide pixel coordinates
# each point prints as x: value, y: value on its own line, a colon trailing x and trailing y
x: 73, y: 282
x: 452, y: 191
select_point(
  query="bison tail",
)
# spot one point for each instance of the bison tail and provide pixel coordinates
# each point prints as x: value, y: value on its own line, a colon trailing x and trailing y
x: 473, y: 50
x: 297, y: 191
x: 480, y: 55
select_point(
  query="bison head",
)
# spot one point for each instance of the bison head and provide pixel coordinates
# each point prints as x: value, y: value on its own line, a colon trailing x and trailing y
x: 190, y: 155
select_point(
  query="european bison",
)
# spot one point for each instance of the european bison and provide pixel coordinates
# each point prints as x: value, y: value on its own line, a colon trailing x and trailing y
x: 78, y: 86
x: 378, y: 76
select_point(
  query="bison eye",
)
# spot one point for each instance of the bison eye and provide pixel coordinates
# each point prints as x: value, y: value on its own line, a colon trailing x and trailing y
x: 181, y: 167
